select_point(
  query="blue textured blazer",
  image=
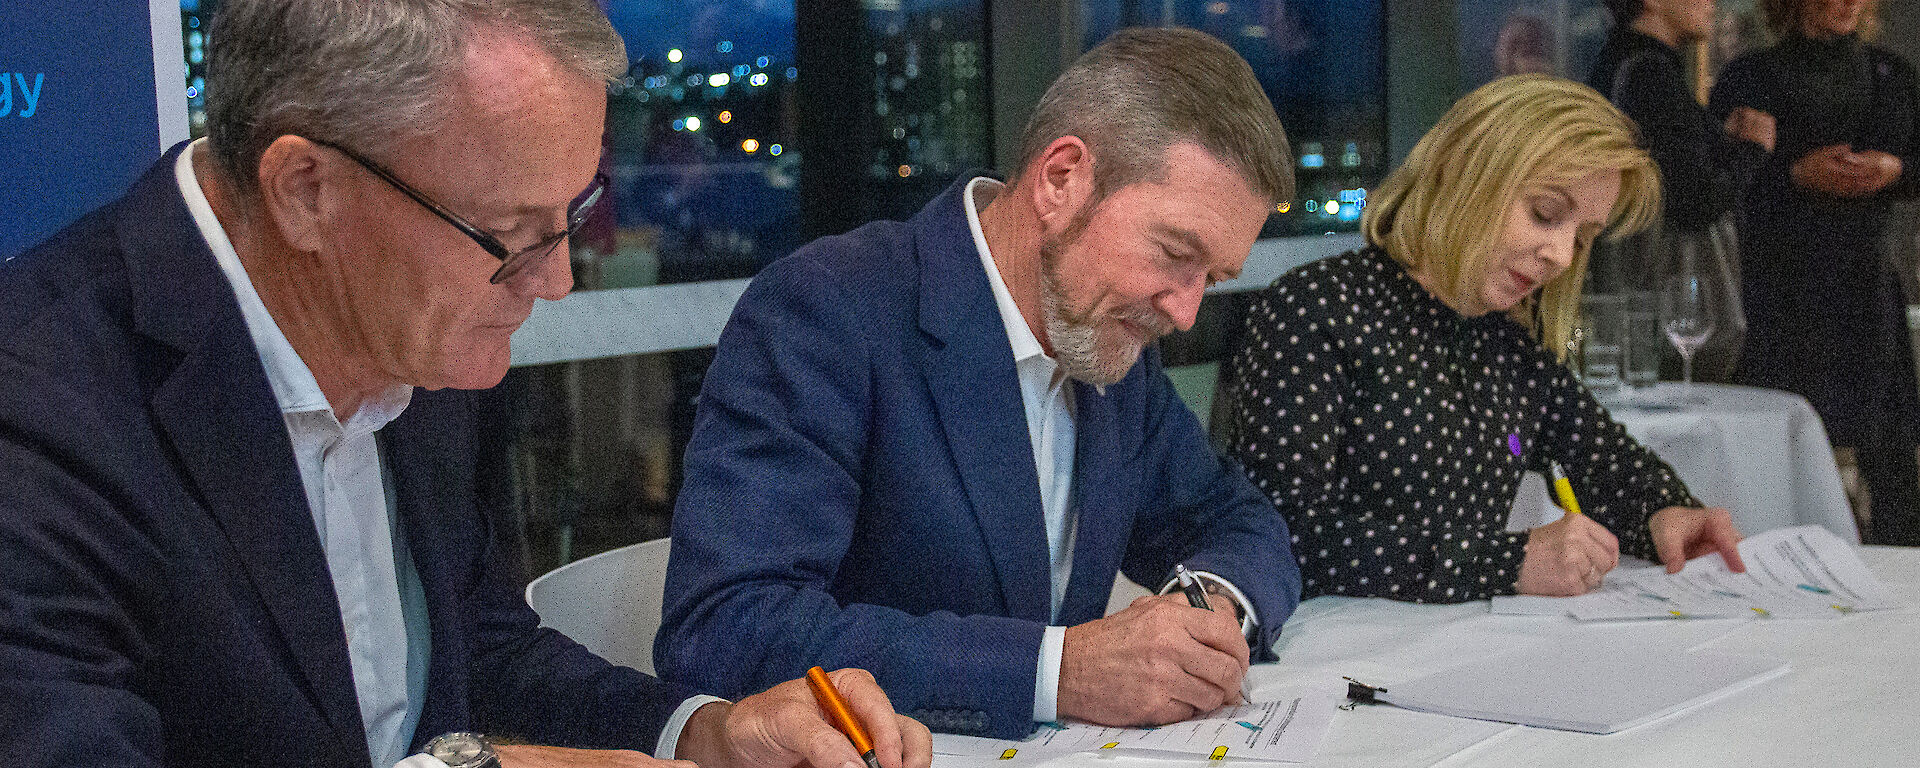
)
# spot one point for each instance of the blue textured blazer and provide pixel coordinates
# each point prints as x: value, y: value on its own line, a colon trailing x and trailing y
x: 164, y: 599
x: 860, y: 489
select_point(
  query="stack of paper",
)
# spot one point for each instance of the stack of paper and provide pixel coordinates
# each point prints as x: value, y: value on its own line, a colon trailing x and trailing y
x: 1591, y: 686
x: 1803, y: 572
x: 1287, y: 729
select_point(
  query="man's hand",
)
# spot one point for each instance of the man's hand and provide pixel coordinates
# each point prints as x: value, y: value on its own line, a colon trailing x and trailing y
x: 1159, y: 661
x: 1567, y: 557
x: 1751, y: 125
x: 785, y: 727
x: 1837, y: 170
x: 562, y: 757
x: 1683, y: 533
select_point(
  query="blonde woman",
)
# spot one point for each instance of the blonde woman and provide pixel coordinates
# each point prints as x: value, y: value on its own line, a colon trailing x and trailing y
x: 1389, y: 401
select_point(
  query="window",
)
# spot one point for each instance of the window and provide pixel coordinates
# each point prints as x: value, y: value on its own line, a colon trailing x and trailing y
x: 1322, y: 63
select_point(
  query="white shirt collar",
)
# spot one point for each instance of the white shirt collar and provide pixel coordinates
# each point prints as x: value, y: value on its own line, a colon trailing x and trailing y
x: 294, y: 387
x: 1025, y: 344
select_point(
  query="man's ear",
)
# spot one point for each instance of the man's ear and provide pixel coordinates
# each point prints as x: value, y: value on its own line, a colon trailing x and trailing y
x: 1063, y: 182
x: 295, y: 177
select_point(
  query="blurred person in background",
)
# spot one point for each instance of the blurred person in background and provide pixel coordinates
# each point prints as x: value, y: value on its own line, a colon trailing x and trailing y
x: 1826, y: 314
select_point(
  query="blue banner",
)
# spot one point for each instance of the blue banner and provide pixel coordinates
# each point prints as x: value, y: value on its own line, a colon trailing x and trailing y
x: 79, y: 116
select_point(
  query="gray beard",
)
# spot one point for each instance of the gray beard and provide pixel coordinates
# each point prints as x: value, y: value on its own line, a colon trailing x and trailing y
x: 1076, y: 342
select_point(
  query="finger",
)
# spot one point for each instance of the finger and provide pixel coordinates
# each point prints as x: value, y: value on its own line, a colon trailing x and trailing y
x: 1217, y: 631
x: 1216, y: 669
x: 1726, y: 538
x: 1171, y: 712
x: 916, y: 742
x: 1670, y: 538
x: 874, y: 711
x: 1201, y: 695
x: 808, y: 735
x: 1608, y: 543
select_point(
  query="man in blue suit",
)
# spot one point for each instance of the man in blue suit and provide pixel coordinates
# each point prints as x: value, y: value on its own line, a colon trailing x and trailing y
x: 237, y: 528
x: 927, y: 447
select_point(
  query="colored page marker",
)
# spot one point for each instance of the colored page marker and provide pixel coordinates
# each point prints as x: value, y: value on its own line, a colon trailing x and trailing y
x: 1219, y: 753
x: 1247, y: 725
x: 1008, y: 755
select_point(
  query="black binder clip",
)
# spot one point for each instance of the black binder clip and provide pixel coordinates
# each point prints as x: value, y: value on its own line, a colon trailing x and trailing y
x: 1360, y: 693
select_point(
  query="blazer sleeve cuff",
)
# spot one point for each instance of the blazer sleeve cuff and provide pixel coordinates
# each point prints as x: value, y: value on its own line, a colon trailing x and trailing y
x: 1250, y: 616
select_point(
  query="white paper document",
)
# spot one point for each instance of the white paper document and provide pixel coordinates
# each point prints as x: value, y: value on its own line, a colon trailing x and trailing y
x: 1287, y: 729
x: 1801, y: 572
x: 1591, y: 686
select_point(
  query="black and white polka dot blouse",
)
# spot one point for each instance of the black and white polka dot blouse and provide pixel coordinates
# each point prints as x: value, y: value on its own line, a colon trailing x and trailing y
x: 1392, y: 433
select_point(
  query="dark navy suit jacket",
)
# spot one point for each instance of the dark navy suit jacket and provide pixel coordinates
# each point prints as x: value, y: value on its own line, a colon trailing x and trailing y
x: 164, y: 599
x: 860, y: 489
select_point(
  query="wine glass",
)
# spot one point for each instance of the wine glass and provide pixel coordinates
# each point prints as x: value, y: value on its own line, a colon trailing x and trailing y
x: 1689, y: 309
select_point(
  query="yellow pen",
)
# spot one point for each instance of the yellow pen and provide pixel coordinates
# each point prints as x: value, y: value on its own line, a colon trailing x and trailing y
x: 1563, y: 489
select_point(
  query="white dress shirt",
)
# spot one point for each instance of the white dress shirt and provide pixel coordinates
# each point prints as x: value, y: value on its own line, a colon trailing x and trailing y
x: 382, y: 607
x: 1047, y: 395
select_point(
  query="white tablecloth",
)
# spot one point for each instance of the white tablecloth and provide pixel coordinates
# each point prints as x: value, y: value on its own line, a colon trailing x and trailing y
x: 1851, y: 699
x: 1760, y: 453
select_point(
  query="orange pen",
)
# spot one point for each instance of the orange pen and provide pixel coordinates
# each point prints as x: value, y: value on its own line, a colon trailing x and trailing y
x: 840, y: 716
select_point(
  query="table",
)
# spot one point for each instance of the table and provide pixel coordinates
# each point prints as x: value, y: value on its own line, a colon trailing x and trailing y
x: 1851, y: 698
x: 1760, y: 453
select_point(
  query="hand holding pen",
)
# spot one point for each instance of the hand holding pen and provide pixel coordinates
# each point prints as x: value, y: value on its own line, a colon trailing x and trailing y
x: 1569, y: 556
x: 788, y: 726
x: 1197, y: 598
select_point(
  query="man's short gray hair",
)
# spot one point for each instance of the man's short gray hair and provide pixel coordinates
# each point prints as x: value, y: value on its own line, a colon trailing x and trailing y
x: 369, y: 72
x: 1144, y: 90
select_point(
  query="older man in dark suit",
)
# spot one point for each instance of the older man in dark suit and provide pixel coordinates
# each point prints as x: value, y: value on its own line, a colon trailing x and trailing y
x: 929, y: 446
x: 238, y: 529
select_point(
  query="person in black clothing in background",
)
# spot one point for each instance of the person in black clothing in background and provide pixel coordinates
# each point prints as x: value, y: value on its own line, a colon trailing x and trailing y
x: 1389, y: 401
x: 1703, y: 161
x: 1825, y: 312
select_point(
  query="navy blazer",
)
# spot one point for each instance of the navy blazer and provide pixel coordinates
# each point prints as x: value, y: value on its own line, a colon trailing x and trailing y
x: 164, y: 599
x: 860, y: 489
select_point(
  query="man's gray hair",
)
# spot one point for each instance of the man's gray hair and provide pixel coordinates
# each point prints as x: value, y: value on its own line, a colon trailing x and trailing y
x: 369, y: 73
x: 1144, y: 90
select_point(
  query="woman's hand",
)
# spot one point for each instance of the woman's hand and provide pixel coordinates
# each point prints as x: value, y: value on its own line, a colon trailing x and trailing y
x: 1683, y: 533
x: 1837, y: 170
x: 1751, y: 125
x: 1567, y: 557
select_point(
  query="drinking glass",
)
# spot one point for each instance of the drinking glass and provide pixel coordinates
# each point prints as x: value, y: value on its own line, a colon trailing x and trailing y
x: 1690, y: 307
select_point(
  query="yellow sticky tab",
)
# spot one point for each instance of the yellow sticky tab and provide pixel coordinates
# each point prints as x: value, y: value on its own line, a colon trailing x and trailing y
x: 1677, y: 614
x: 1218, y: 753
x: 1844, y: 608
x: 1110, y: 745
x: 1763, y: 612
x: 1008, y: 755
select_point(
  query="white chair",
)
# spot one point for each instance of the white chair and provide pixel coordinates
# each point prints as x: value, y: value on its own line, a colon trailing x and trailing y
x: 609, y: 602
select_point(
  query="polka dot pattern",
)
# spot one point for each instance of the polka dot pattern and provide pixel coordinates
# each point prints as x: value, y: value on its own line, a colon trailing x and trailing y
x: 1382, y: 425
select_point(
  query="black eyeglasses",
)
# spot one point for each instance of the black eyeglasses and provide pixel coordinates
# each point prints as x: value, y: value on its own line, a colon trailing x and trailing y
x: 511, y: 261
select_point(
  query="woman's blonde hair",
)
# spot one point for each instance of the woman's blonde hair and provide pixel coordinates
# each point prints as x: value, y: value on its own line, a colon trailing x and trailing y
x: 1784, y: 18
x: 1442, y: 211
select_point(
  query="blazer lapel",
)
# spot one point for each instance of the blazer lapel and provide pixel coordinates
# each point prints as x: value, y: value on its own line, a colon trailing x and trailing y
x: 219, y: 415
x: 1103, y: 504
x: 970, y: 375
x: 424, y: 448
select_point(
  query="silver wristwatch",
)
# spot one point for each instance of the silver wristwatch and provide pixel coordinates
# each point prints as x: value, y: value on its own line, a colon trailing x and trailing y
x: 461, y: 749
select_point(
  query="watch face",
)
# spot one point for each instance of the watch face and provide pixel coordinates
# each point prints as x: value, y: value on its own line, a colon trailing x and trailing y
x: 459, y: 749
